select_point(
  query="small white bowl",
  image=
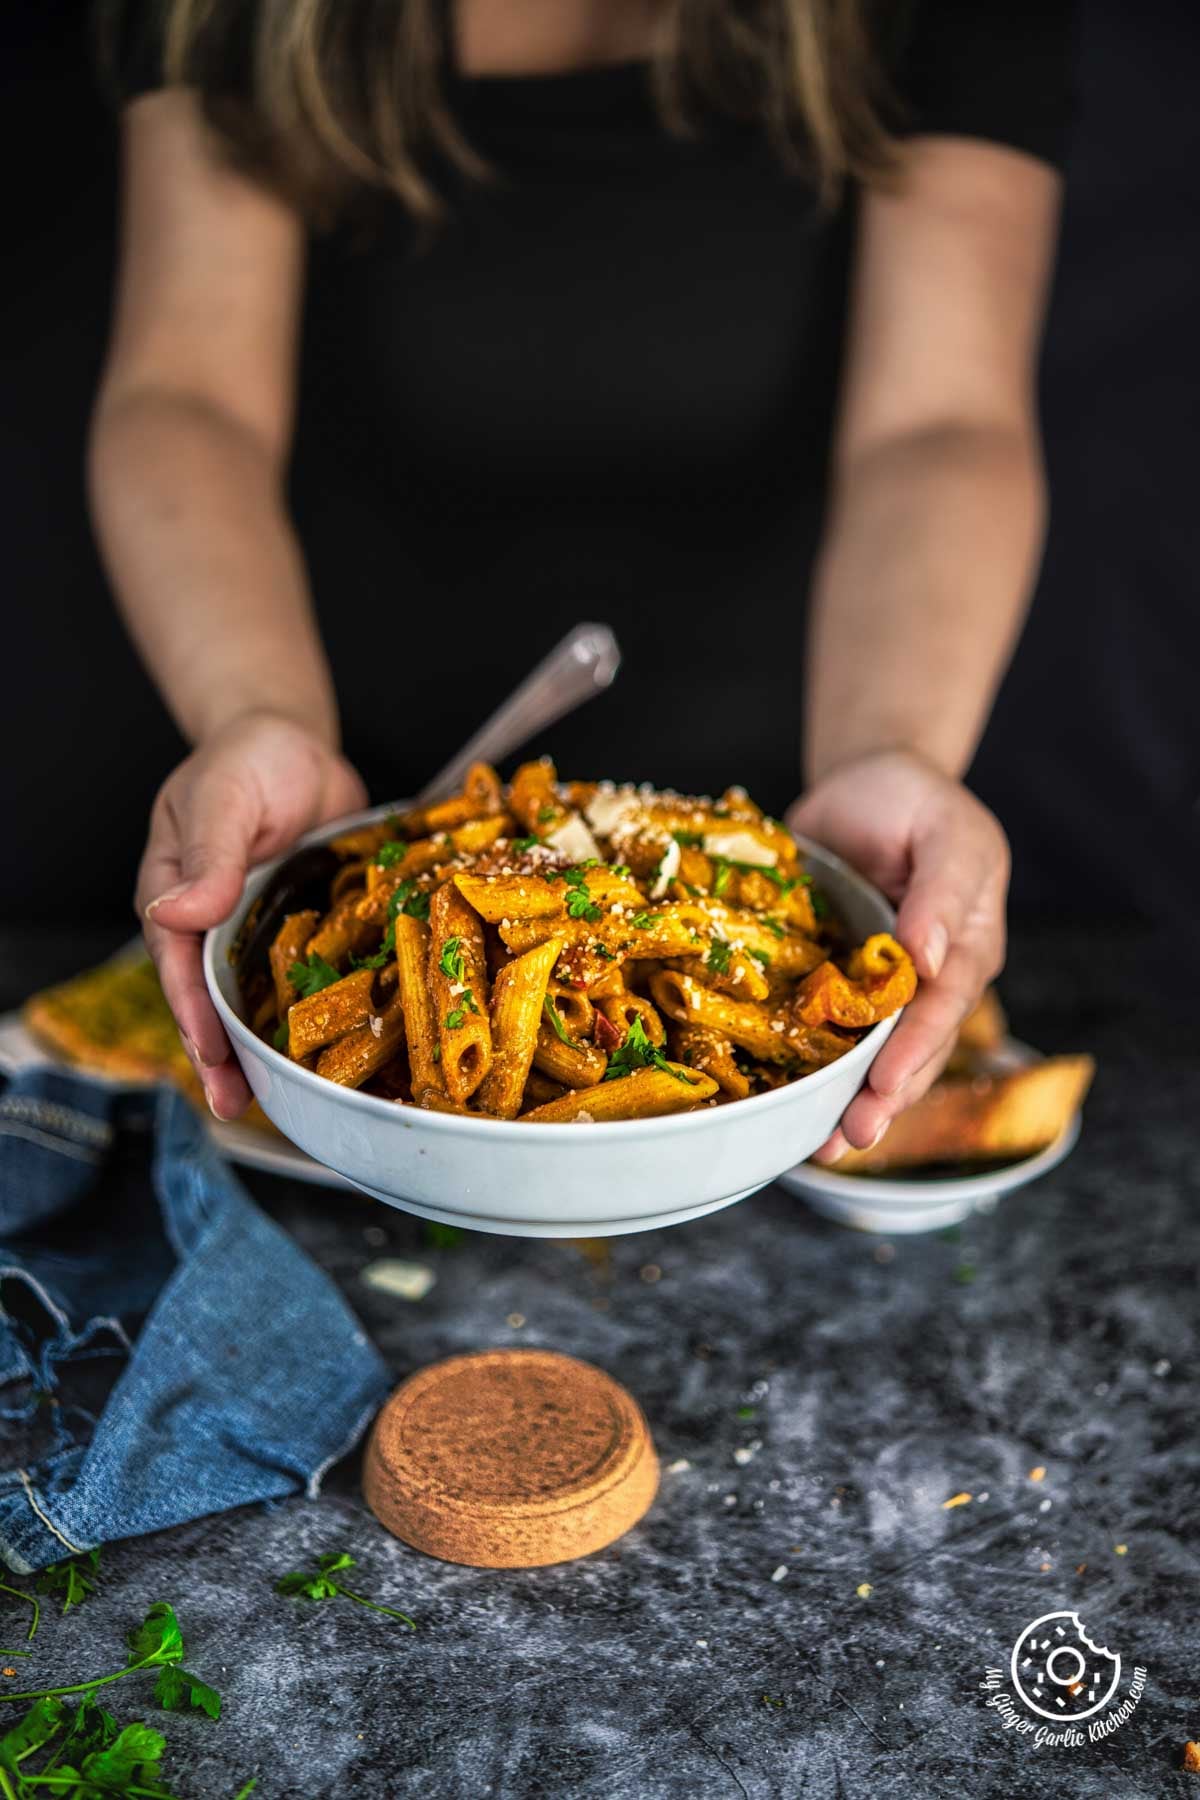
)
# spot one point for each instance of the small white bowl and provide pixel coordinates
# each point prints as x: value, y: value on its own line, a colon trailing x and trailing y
x: 901, y: 1206
x: 590, y: 1180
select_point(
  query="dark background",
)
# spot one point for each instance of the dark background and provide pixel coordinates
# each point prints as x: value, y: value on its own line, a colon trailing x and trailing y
x: 1092, y: 758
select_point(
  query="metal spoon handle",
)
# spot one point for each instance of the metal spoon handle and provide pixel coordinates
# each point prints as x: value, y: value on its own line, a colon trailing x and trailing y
x: 582, y: 665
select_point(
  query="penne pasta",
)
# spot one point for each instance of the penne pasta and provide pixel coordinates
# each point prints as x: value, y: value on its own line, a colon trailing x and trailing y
x: 570, y: 950
x: 416, y: 1003
x: 517, y: 998
x: 700, y: 1047
x: 363, y: 1052
x: 646, y: 1094
x: 458, y: 984
x: 288, y: 948
x: 329, y: 1014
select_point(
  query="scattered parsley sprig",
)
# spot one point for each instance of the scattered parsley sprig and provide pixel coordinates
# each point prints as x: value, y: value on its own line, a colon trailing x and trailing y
x: 74, y: 1579
x: 555, y: 1017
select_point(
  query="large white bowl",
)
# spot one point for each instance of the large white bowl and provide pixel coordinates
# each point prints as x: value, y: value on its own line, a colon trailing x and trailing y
x: 590, y: 1180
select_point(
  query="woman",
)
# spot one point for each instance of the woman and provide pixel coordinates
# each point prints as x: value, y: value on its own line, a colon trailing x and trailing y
x: 573, y: 344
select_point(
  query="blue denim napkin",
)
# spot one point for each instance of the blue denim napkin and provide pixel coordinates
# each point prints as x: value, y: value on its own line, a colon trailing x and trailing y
x: 165, y: 1350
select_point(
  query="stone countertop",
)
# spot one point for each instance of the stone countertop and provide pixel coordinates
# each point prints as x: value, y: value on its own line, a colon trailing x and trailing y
x: 816, y: 1395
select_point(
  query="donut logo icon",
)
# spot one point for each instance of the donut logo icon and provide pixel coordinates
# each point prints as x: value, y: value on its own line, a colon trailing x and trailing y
x: 1059, y: 1673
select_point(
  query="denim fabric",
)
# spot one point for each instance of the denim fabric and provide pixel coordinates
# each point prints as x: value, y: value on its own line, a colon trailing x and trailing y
x: 165, y: 1350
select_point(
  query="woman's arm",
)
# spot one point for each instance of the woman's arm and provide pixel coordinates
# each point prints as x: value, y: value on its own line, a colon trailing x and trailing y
x: 188, y: 451
x: 191, y: 430
x: 930, y: 553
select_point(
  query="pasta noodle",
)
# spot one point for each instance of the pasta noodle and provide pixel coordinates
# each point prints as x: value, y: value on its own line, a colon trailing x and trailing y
x: 569, y: 952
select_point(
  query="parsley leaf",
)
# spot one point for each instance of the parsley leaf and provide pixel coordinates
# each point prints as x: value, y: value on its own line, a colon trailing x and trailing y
x: 546, y: 814
x: 311, y: 975
x: 580, y: 905
x: 637, y: 1052
x: 392, y: 851
x: 760, y: 956
x: 723, y: 869
x: 451, y: 960
x: 37, y: 1728
x: 178, y: 1691
x: 690, y: 840
x: 642, y: 921
x: 386, y: 948
x: 773, y: 926
x: 318, y: 1584
x: 409, y: 899
x: 280, y: 1038
x: 718, y: 956
x: 560, y: 1031
x: 70, y: 1580
x: 820, y: 904
x: 526, y: 843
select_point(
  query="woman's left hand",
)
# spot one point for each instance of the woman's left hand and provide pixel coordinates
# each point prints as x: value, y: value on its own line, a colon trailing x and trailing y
x: 943, y: 859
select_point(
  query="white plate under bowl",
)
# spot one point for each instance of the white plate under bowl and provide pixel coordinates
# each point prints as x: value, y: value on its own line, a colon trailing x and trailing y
x: 578, y: 1180
x: 895, y: 1206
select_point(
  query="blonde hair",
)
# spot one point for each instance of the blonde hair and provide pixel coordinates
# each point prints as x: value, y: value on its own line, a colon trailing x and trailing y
x: 320, y: 97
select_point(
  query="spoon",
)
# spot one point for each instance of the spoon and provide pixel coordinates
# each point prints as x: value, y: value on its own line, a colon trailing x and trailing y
x: 581, y: 665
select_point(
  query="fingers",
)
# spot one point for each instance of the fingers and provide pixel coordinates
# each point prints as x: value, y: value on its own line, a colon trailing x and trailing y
x: 201, y: 834
x: 959, y: 863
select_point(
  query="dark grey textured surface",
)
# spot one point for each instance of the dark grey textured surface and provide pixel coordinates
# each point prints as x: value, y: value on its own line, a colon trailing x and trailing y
x: 1061, y: 1331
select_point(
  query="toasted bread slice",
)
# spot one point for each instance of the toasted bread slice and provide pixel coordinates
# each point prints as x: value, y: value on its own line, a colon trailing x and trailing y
x: 115, y: 1020
x: 984, y: 1119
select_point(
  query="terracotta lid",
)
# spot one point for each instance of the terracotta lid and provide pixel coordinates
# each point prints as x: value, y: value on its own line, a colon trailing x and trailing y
x: 508, y: 1459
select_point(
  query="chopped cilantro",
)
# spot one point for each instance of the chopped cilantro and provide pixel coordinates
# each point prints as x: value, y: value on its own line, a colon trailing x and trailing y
x: 280, y: 1039
x: 689, y: 840
x: 622, y: 870
x: 546, y: 814
x: 642, y: 921
x: 526, y: 843
x: 760, y: 956
x: 603, y: 951
x: 637, y: 1052
x: 772, y: 926
x: 723, y: 869
x: 311, y: 975
x: 393, y: 850
x: 560, y: 1031
x: 718, y: 956
x: 437, y: 1053
x: 820, y: 904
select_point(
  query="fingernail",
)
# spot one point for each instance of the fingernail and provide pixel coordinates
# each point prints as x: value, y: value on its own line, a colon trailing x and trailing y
x: 879, y: 1134
x: 936, y: 945
x: 214, y: 1109
x: 173, y: 893
x: 191, y: 1047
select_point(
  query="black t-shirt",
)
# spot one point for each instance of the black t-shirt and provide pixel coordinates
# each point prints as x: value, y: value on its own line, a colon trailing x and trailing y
x: 605, y: 390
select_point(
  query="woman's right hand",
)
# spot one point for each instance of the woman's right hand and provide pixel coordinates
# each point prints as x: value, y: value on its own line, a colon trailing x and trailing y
x: 243, y: 795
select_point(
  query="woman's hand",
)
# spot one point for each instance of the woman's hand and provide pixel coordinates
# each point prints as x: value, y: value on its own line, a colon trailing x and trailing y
x: 942, y: 858
x: 245, y: 794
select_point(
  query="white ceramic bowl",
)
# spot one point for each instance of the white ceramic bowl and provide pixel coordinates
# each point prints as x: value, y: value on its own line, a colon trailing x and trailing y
x: 552, y: 1180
